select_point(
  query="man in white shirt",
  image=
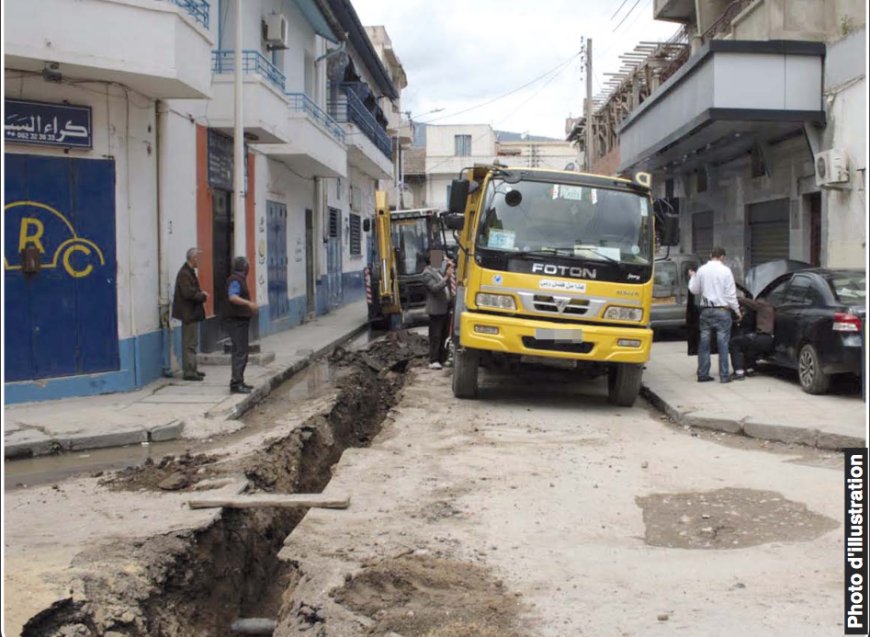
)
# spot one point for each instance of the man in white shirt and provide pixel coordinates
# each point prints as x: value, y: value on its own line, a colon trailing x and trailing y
x: 713, y: 284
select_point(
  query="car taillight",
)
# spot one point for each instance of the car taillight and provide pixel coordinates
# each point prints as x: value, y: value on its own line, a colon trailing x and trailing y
x: 844, y: 322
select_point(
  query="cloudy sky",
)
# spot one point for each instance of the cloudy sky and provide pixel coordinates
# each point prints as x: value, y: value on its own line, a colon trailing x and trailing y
x: 458, y: 55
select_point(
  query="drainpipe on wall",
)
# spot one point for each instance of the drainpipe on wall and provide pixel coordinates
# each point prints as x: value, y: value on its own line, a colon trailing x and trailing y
x: 164, y: 297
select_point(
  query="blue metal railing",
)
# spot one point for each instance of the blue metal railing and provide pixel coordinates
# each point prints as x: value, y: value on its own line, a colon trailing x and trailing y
x: 350, y: 108
x: 302, y: 103
x: 223, y: 61
x: 198, y: 9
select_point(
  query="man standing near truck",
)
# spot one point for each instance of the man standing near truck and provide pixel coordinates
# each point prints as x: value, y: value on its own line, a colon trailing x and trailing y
x: 437, y: 305
x: 714, y: 284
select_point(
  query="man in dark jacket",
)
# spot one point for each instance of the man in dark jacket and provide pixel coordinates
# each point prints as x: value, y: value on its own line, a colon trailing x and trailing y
x: 237, y: 316
x: 755, y: 336
x: 437, y: 307
x: 188, y: 307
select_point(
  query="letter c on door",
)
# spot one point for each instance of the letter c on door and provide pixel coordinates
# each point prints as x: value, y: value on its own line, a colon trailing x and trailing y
x: 69, y: 267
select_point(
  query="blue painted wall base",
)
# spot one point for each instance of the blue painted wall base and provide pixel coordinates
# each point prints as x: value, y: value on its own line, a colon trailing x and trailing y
x: 141, y: 363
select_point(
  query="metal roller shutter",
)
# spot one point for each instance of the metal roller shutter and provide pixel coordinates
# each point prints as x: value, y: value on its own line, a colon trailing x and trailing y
x: 702, y: 234
x: 768, y: 231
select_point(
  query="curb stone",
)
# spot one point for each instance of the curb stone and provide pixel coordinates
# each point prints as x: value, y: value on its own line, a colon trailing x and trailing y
x: 24, y: 443
x: 761, y: 431
x: 80, y: 442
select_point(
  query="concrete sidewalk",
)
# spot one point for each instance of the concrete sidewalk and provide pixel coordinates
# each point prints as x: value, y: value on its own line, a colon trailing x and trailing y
x: 172, y: 408
x: 765, y: 406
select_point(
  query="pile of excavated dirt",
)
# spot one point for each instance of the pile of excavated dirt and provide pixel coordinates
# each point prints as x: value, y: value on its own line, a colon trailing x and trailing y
x: 422, y: 596
x: 172, y: 473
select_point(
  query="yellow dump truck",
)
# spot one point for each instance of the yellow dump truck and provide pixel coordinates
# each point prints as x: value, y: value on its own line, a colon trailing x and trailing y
x: 553, y: 266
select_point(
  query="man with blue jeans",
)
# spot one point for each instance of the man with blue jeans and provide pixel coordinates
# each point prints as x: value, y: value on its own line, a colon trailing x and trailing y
x: 713, y: 284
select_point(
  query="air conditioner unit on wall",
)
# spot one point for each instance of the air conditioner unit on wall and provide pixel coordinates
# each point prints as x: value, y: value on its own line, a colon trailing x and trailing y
x: 275, y: 31
x: 832, y: 168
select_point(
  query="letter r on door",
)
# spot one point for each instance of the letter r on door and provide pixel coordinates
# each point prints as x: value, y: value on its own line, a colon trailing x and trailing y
x: 26, y: 236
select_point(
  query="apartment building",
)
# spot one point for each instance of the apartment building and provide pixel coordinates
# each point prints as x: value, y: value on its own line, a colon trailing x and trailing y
x: 752, y: 120
x: 119, y: 157
x: 450, y: 148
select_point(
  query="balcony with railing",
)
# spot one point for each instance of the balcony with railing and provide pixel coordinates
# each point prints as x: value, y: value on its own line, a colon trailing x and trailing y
x: 197, y: 9
x: 301, y: 103
x: 159, y: 48
x: 369, y: 146
x: 253, y: 62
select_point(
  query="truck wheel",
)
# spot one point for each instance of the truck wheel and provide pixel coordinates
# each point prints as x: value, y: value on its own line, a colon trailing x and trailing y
x: 813, y: 379
x: 465, y: 373
x: 623, y: 384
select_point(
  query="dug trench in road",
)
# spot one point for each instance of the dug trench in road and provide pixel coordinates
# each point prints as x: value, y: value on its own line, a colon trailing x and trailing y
x: 542, y: 510
x: 122, y: 554
x: 314, y: 381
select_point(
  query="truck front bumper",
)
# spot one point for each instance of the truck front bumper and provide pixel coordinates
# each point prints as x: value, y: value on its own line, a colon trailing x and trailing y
x: 522, y: 336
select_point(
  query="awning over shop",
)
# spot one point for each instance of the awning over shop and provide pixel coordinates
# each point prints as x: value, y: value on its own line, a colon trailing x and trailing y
x: 315, y: 19
x: 729, y: 97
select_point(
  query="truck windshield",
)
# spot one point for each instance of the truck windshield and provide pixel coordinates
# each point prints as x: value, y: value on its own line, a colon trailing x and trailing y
x: 575, y: 221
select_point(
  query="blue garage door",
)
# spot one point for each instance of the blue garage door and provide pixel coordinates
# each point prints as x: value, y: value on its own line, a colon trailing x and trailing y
x: 59, y: 267
x: 276, y: 215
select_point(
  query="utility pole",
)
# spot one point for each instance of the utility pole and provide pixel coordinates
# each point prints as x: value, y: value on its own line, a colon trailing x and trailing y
x: 589, y: 105
x: 239, y: 242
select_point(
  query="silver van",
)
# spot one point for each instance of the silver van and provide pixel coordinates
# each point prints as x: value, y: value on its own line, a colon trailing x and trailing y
x: 670, y: 288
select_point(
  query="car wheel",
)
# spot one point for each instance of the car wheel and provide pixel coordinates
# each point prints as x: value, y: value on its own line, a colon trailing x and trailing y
x: 813, y: 380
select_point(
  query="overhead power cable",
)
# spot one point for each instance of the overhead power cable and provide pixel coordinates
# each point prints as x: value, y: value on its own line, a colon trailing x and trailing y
x: 560, y: 67
x: 619, y: 9
x: 625, y: 17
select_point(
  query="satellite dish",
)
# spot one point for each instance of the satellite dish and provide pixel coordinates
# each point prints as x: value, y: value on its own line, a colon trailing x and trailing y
x: 336, y: 64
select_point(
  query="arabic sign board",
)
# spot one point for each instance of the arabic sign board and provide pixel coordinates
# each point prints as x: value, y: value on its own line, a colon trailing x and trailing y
x: 48, y: 124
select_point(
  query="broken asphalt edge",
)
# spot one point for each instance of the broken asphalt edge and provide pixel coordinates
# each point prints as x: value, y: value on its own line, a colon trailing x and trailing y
x: 774, y: 432
x: 39, y: 443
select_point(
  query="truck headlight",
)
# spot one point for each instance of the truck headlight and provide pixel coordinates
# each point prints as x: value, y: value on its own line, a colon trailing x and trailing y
x: 497, y: 301
x: 619, y: 313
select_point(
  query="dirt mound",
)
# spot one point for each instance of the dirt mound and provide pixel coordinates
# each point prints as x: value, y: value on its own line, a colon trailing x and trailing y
x: 728, y: 519
x: 422, y: 596
x: 172, y: 473
x: 394, y: 352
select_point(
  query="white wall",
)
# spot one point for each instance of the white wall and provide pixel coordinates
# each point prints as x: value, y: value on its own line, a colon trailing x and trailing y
x: 132, y: 143
x: 844, y: 217
x: 440, y: 139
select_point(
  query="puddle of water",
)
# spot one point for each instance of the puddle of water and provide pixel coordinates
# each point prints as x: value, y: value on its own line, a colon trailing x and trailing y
x: 728, y: 519
x: 315, y: 381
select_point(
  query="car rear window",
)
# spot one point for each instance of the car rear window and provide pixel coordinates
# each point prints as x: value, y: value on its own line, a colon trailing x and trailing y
x: 849, y: 288
x: 664, y: 279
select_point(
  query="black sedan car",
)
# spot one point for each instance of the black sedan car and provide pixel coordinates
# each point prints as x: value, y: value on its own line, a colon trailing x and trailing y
x: 819, y: 324
x: 819, y: 319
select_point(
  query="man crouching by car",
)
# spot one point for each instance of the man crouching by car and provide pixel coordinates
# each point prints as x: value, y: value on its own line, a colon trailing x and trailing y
x: 754, y: 338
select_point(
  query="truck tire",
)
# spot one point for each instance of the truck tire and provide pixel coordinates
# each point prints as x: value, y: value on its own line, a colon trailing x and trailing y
x: 465, y: 363
x: 812, y: 378
x: 623, y: 384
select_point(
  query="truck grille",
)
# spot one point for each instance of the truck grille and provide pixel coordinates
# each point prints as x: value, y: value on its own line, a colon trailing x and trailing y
x: 547, y: 303
x: 557, y: 346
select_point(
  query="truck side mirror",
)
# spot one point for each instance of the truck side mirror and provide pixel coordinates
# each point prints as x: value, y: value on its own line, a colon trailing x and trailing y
x: 458, y: 195
x: 454, y: 221
x: 367, y: 225
x: 670, y: 230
